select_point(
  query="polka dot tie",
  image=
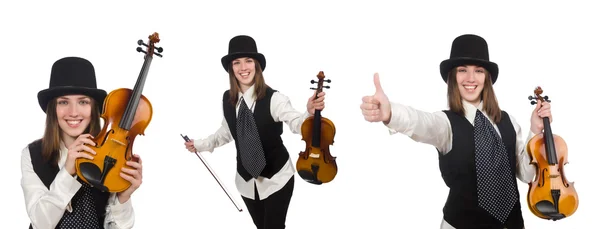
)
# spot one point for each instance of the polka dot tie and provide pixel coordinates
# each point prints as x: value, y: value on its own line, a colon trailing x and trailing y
x: 251, y: 151
x: 84, y: 212
x: 496, y: 190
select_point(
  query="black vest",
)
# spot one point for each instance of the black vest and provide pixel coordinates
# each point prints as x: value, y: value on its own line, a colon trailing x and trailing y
x: 47, y: 172
x: 270, y: 135
x: 458, y: 171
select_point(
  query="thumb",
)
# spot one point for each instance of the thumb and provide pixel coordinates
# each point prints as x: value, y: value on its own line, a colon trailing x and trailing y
x: 378, y: 88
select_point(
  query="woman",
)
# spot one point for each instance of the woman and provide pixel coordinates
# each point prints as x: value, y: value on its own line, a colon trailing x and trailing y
x: 481, y: 152
x: 54, y: 196
x: 254, y: 113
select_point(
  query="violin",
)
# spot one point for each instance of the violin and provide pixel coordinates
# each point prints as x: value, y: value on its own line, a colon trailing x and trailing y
x: 551, y: 196
x: 315, y: 164
x: 126, y: 113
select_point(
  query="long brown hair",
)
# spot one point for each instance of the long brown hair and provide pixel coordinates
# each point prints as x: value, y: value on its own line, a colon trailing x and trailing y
x: 260, y: 87
x: 490, y: 103
x: 52, y: 135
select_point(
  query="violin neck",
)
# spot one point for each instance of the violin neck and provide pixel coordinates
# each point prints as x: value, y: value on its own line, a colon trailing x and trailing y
x: 134, y: 100
x: 316, y: 135
x: 549, y: 142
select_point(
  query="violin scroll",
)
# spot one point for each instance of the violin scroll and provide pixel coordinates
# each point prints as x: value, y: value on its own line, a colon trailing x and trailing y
x: 538, y: 91
x: 152, y: 39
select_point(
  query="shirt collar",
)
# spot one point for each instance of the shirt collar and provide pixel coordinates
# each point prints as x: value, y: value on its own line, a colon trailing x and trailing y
x: 471, y: 110
x: 248, y: 96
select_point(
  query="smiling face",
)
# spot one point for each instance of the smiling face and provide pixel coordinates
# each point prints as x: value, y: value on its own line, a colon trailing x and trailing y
x: 244, y: 71
x: 470, y: 80
x: 74, y: 113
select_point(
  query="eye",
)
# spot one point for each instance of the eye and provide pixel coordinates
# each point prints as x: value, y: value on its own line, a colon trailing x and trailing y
x: 62, y: 102
x: 84, y: 102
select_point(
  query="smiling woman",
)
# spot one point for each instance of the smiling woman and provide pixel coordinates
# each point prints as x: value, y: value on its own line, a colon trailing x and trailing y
x: 481, y: 153
x: 54, y: 196
x: 254, y: 115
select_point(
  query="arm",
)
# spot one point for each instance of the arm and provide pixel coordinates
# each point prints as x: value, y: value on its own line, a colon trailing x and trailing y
x: 219, y: 138
x: 425, y: 127
x: 525, y: 171
x: 282, y: 111
x: 119, y: 215
x: 44, y: 206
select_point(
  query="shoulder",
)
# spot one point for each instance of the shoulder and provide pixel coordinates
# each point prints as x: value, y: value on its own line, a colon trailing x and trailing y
x: 33, y: 146
x: 226, y: 95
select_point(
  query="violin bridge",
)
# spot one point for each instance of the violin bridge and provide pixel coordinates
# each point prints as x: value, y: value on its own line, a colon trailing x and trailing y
x: 117, y: 141
x: 314, y: 155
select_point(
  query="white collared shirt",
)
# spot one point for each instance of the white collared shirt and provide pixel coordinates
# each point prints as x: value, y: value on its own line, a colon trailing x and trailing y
x: 281, y: 111
x: 434, y: 128
x: 46, y: 207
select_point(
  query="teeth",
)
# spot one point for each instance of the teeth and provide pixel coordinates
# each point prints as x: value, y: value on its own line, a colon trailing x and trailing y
x: 470, y: 87
x: 74, y: 122
x: 245, y: 74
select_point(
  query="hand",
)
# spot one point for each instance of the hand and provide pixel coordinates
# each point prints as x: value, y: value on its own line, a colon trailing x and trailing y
x: 376, y: 108
x: 190, y: 146
x: 541, y: 110
x: 318, y: 104
x: 134, y: 176
x: 76, y: 150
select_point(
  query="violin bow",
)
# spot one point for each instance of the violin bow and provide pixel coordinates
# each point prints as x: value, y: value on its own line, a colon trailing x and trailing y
x: 185, y: 137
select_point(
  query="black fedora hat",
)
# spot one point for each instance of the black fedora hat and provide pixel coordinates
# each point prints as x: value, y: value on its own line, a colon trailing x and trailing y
x: 469, y: 49
x: 243, y: 46
x: 69, y: 76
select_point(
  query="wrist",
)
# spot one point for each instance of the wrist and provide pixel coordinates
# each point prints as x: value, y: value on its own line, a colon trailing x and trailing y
x: 123, y: 197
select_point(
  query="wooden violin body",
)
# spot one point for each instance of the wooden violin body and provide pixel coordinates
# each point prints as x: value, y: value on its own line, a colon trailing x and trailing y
x: 551, y: 196
x: 126, y: 114
x: 315, y: 164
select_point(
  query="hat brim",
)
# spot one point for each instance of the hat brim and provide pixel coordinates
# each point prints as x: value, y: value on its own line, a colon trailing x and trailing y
x: 46, y: 95
x: 447, y: 65
x: 226, y: 60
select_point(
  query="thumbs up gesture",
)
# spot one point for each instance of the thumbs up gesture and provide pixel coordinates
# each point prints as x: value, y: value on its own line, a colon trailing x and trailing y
x: 376, y: 108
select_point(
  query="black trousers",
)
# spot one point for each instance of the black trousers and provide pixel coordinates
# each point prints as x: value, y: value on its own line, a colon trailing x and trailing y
x: 271, y: 212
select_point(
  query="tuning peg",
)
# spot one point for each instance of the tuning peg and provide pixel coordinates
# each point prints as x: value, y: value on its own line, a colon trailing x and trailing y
x: 327, y: 80
x: 545, y: 97
x: 139, y: 49
x: 530, y: 97
x: 141, y: 42
x: 326, y: 87
x: 312, y: 88
x: 533, y: 102
x: 313, y: 81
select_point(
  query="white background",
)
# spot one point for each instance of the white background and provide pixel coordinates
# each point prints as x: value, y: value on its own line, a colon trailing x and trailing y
x: 383, y: 181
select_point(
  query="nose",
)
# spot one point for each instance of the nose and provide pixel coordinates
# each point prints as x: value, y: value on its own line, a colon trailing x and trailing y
x: 470, y: 75
x: 244, y: 65
x: 73, y: 109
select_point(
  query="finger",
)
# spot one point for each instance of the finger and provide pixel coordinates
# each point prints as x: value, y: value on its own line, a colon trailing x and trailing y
x: 85, y: 148
x: 377, y: 83
x: 544, y: 114
x: 370, y: 99
x: 86, y: 141
x: 127, y: 177
x: 84, y: 155
x: 371, y: 112
x: 132, y: 172
x: 369, y: 106
x: 322, y: 94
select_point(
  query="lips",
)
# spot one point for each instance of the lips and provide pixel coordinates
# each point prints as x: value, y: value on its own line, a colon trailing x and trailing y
x: 74, y: 123
x: 470, y: 88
